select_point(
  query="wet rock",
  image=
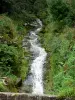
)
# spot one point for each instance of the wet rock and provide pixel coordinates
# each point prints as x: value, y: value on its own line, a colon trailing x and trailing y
x: 26, y: 89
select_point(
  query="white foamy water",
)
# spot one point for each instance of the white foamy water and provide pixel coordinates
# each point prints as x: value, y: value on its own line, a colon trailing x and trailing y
x: 37, y: 65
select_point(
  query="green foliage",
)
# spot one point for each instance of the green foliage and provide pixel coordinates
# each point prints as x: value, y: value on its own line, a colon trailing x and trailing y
x: 7, y: 29
x: 62, y: 10
x: 9, y: 59
x: 24, y: 69
x: 3, y: 88
x: 40, y: 9
x: 24, y: 9
x: 58, y: 9
x: 58, y: 38
x: 59, y: 43
x: 13, y: 63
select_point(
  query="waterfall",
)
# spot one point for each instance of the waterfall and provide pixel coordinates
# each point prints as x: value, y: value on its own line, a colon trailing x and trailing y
x: 37, y: 64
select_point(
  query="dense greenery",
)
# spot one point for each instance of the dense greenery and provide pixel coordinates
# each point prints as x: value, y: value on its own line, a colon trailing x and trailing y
x: 24, y: 9
x: 57, y: 37
x: 12, y: 61
x: 60, y: 45
x: 59, y: 41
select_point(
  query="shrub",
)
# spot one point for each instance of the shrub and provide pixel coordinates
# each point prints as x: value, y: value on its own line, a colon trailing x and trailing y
x: 3, y: 88
x: 58, y: 9
x: 7, y: 29
x: 9, y: 59
x: 12, y: 55
x: 62, y: 10
x: 60, y: 46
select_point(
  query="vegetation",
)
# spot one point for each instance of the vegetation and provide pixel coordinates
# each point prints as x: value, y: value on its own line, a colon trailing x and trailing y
x: 61, y: 62
x: 12, y: 55
x: 24, y: 9
x: 57, y: 37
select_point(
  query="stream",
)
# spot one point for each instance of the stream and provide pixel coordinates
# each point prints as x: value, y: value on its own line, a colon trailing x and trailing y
x: 37, y: 64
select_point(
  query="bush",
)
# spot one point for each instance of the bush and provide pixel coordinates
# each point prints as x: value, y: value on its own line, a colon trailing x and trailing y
x: 59, y: 9
x: 7, y: 29
x: 62, y: 10
x: 3, y: 88
x: 60, y: 46
x: 9, y: 59
x: 12, y: 55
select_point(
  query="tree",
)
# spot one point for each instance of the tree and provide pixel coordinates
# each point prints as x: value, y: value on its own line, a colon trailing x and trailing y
x: 24, y: 9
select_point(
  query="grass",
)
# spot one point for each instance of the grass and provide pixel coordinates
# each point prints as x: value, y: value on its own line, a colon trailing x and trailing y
x: 59, y: 42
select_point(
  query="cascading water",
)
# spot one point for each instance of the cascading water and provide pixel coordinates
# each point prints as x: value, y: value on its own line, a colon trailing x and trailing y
x: 35, y: 78
x: 38, y: 62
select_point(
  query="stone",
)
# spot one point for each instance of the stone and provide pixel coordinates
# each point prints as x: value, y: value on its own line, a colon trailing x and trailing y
x: 26, y: 96
x: 3, y: 97
x: 11, y: 96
